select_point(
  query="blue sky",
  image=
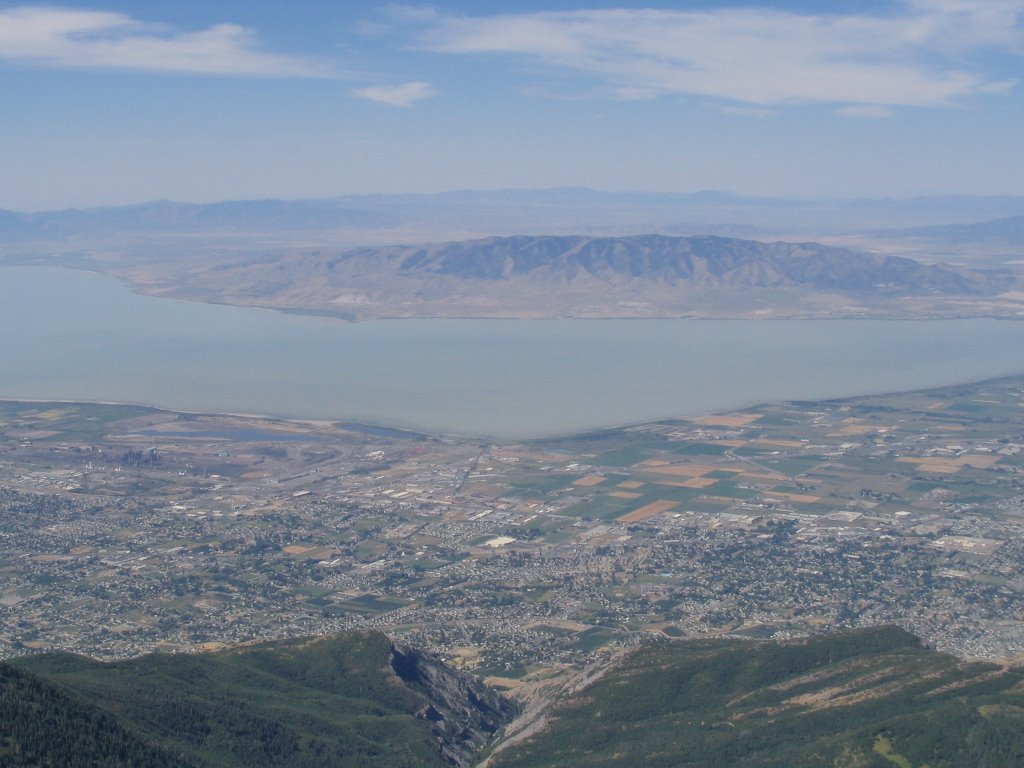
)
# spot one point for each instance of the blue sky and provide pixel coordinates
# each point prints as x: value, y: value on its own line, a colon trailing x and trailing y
x: 118, y: 102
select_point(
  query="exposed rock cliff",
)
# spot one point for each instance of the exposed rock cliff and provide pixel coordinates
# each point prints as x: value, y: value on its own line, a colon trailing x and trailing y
x: 464, y: 713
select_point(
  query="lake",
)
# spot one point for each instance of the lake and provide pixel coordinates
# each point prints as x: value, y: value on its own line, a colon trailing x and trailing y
x: 72, y: 335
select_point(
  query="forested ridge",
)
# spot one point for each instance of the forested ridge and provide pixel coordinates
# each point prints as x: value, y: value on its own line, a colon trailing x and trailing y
x: 332, y: 702
x: 865, y: 699
x: 41, y: 725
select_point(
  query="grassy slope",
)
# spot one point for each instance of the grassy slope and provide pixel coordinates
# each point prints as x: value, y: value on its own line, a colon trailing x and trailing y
x: 867, y: 699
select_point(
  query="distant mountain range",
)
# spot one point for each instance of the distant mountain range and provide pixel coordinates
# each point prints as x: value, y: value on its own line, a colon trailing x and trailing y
x: 170, y: 217
x: 339, y: 257
x: 514, y: 211
x: 862, y: 699
x: 701, y: 261
x: 1008, y: 231
x: 553, y: 276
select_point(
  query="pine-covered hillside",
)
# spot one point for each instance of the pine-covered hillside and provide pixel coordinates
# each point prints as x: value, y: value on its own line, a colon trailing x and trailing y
x: 865, y: 699
x: 350, y: 700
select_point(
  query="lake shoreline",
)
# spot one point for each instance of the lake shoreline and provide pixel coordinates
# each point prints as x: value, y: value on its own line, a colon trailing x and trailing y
x: 348, y: 424
x: 84, y: 337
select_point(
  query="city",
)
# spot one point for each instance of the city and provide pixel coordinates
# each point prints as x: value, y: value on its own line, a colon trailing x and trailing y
x: 127, y: 530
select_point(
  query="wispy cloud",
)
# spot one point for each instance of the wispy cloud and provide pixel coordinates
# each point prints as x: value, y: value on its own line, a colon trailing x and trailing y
x: 401, y: 95
x: 88, y: 39
x: 865, y: 110
x: 920, y: 56
x: 732, y: 109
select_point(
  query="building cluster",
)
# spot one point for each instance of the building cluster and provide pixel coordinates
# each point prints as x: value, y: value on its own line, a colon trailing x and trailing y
x: 513, y: 559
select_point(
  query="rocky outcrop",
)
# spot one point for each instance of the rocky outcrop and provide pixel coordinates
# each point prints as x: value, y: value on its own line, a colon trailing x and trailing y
x: 463, y: 712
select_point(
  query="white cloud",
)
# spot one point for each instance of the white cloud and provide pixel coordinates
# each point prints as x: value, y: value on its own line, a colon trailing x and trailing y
x: 86, y: 39
x: 755, y: 56
x: 402, y: 95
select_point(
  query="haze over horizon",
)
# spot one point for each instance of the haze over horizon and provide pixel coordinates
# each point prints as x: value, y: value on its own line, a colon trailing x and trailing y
x: 116, y: 102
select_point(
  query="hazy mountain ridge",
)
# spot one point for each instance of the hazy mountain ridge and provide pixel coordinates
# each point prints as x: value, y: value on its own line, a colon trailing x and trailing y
x: 579, y: 276
x: 1008, y: 231
x: 513, y: 211
x: 705, y: 261
x: 375, y: 256
x: 166, y: 216
x: 641, y: 276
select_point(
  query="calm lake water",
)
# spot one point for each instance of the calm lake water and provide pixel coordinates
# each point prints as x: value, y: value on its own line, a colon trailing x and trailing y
x: 73, y: 335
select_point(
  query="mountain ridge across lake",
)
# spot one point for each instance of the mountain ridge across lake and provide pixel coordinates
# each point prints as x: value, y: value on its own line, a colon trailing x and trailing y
x: 527, y: 276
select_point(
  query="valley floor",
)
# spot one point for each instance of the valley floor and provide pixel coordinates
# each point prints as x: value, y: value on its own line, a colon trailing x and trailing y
x: 126, y: 529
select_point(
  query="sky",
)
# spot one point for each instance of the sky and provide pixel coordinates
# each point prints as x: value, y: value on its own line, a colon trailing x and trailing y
x: 106, y: 103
